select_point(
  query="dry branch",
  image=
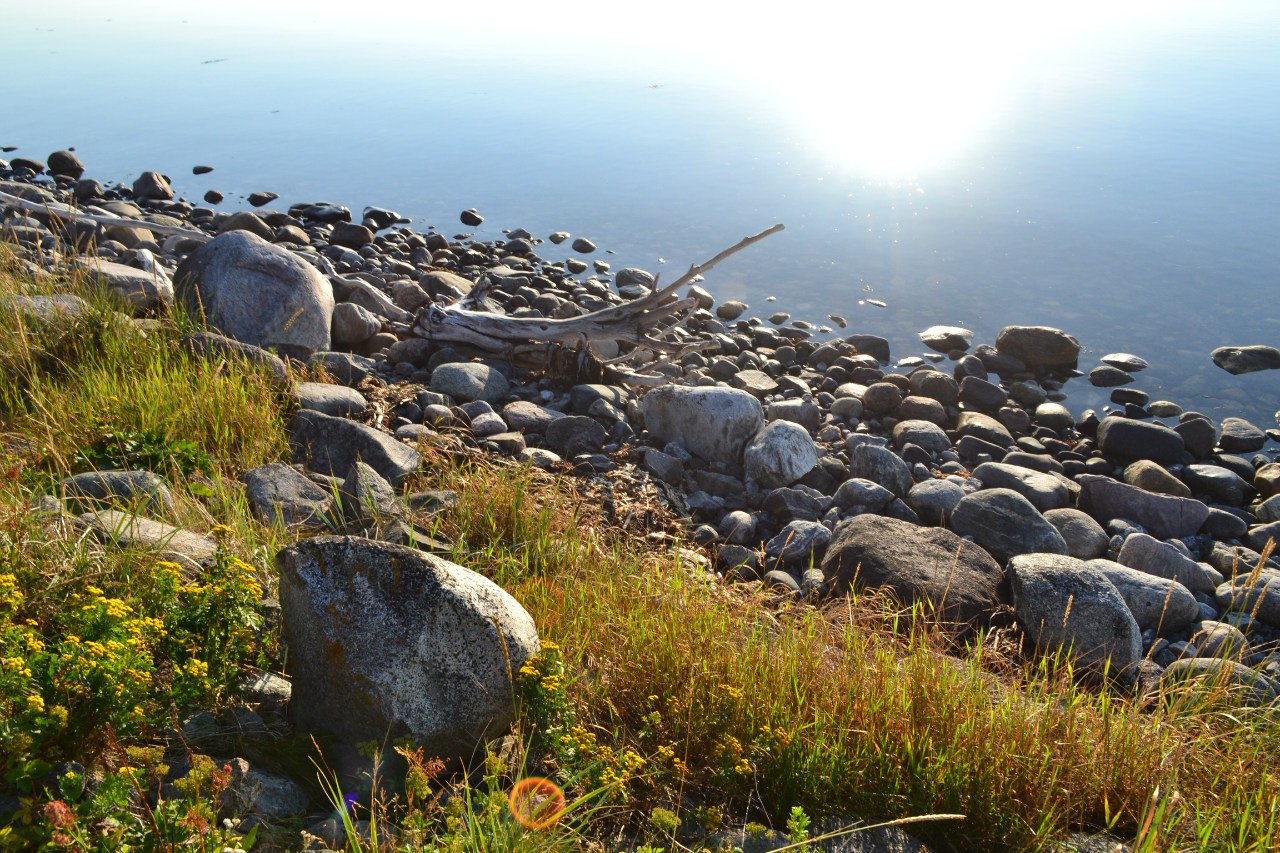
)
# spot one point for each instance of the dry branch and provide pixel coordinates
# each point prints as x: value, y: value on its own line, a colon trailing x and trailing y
x: 634, y: 322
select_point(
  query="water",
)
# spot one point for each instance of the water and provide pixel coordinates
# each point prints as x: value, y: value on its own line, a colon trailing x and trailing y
x: 1110, y: 169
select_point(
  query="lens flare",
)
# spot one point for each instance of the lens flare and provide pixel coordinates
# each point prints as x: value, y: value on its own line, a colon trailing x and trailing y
x: 536, y: 803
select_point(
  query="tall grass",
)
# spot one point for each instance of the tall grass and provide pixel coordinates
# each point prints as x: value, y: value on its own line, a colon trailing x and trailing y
x: 64, y: 383
x: 854, y: 710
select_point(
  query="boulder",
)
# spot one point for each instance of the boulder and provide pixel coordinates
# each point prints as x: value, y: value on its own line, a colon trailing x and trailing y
x: 781, y: 453
x: 1065, y: 604
x: 956, y: 578
x: 865, y: 495
x: 1240, y: 436
x: 572, y: 435
x: 122, y: 488
x: 336, y: 400
x: 715, y: 423
x: 386, y: 641
x: 1150, y: 555
x: 251, y: 791
x: 1126, y: 440
x: 1211, y: 675
x: 213, y: 346
x: 934, y: 500
x: 465, y: 381
x: 1256, y: 593
x: 257, y: 293
x: 353, y: 324
x: 125, y: 530
x: 984, y: 427
x: 1039, y: 347
x: 880, y: 465
x: 1246, y: 359
x: 799, y: 542
x: 1166, y: 516
x: 152, y: 185
x: 1148, y: 476
x: 1006, y: 524
x: 331, y: 445
x: 141, y: 289
x: 1160, y: 604
x: 366, y: 498
x: 922, y: 433
x: 1085, y: 538
x: 1045, y: 491
x: 947, y: 338
x: 277, y: 493
x: 523, y: 416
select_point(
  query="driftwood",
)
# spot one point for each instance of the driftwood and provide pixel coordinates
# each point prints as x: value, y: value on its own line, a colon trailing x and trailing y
x: 640, y: 323
x: 645, y: 325
x: 70, y: 214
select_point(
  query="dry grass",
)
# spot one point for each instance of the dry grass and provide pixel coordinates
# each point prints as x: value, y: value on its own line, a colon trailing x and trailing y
x: 847, y: 711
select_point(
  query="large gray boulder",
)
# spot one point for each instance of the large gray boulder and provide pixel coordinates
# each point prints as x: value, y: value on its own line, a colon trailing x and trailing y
x: 934, y: 500
x: 330, y: 445
x: 1005, y: 524
x: 954, y: 576
x: 715, y: 423
x: 386, y: 641
x: 126, y: 530
x: 1246, y: 359
x: 984, y: 427
x: 1064, y: 603
x: 258, y: 293
x: 781, y: 453
x: 122, y: 488
x: 1158, y: 603
x: 1166, y: 516
x: 215, y: 347
x: 337, y: 400
x: 1085, y: 538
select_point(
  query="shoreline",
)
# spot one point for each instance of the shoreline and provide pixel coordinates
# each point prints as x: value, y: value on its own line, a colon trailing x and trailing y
x: 809, y: 466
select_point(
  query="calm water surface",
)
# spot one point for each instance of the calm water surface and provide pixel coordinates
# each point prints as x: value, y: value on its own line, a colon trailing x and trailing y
x: 1111, y: 169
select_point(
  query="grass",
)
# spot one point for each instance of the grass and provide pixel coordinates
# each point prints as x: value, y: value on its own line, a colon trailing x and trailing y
x: 856, y: 708
x: 675, y: 704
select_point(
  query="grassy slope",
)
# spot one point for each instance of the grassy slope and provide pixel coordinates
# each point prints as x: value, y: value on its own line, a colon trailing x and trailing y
x: 736, y: 703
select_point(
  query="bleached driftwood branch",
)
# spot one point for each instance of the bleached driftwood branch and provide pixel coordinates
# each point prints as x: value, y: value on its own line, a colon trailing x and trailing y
x: 636, y: 322
x: 71, y: 214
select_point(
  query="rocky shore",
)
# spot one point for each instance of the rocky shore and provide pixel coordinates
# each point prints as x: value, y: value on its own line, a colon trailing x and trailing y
x: 809, y: 462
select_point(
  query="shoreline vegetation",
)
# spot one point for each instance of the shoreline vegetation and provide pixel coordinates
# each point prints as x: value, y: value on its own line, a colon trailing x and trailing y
x: 683, y: 697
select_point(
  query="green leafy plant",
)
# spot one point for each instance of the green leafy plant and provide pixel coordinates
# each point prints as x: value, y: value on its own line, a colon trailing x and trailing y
x: 798, y: 829
x: 149, y: 448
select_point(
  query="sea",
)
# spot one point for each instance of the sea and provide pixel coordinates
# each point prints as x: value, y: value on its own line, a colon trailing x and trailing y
x: 1108, y: 168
